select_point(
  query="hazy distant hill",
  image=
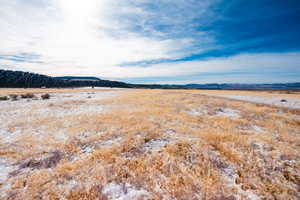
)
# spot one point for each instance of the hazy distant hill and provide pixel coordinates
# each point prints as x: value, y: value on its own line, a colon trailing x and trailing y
x: 275, y: 86
x: 78, y: 78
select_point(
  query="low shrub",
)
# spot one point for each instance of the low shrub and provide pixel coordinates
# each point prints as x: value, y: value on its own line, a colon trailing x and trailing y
x: 3, y: 98
x: 27, y: 96
x: 45, y: 96
x: 13, y: 97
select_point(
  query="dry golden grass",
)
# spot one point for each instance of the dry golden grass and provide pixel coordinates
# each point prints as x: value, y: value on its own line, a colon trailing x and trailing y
x: 174, y: 144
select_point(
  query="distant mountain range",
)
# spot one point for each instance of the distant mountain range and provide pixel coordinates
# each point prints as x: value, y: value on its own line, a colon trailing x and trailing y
x: 19, y: 79
x: 274, y: 86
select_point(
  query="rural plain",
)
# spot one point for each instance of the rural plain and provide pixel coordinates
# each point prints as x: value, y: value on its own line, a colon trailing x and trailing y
x: 149, y: 144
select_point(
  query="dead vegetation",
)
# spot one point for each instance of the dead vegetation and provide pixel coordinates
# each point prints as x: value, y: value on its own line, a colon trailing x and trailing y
x: 156, y: 144
x: 13, y: 97
x: 45, y: 96
x: 27, y: 96
x: 3, y: 98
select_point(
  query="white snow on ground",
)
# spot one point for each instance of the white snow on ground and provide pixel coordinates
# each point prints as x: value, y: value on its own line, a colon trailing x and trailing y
x: 24, y: 110
x: 198, y: 112
x: 5, y: 169
x: 8, y: 136
x: 155, y: 145
x: 124, y: 191
x: 228, y: 112
x: 225, y: 112
x: 275, y: 101
x: 229, y: 175
x: 111, y: 141
x: 257, y: 128
x: 249, y: 194
x: 252, y: 129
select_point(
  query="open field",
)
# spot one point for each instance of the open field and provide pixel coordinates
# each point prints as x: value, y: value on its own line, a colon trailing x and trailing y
x: 288, y: 99
x: 150, y: 144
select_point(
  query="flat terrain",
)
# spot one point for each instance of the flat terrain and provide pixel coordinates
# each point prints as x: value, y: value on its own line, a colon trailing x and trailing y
x: 286, y: 99
x: 150, y: 144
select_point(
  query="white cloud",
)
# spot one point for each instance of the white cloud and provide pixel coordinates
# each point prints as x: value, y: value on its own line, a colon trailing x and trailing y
x: 245, y: 63
x: 76, y: 33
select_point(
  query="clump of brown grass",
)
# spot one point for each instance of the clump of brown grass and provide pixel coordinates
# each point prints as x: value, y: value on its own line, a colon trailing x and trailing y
x: 27, y: 96
x: 3, y: 98
x: 13, y: 97
x: 45, y: 96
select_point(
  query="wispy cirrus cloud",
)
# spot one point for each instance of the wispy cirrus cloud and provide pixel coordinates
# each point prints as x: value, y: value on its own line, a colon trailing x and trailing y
x: 152, y: 40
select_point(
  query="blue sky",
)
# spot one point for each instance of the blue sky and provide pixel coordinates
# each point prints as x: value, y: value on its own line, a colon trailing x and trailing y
x: 154, y: 41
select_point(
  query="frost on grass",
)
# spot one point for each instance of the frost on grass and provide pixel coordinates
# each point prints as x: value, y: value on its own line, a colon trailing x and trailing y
x: 17, y: 115
x: 149, y: 144
x: 155, y: 145
x: 209, y: 112
x: 251, y: 129
x: 229, y: 175
x: 198, y: 112
x: 6, y: 168
x: 124, y: 191
x: 228, y: 112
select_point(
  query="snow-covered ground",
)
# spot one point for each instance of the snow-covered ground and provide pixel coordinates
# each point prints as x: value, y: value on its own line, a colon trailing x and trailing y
x: 58, y: 106
x: 124, y: 191
x: 287, y: 102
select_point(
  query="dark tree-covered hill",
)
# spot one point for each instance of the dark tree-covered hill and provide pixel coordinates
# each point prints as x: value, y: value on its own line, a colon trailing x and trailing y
x: 19, y: 79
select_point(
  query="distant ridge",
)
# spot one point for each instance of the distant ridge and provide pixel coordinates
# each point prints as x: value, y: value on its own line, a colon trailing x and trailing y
x: 19, y: 79
x: 78, y: 78
x: 232, y: 86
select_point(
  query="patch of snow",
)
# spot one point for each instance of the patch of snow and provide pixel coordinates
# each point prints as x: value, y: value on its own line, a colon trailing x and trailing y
x: 155, y: 145
x: 111, y: 141
x: 275, y: 101
x: 60, y: 136
x: 170, y: 132
x: 228, y: 112
x: 257, y: 128
x: 249, y: 194
x: 68, y: 185
x: 86, y: 134
x: 17, y: 114
x: 252, y: 129
x: 198, y: 112
x: 85, y: 151
x: 5, y: 169
x: 124, y: 191
x: 229, y: 174
x: 61, y: 112
x: 8, y: 136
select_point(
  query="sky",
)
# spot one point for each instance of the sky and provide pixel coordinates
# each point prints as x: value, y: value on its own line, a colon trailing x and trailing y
x: 154, y: 41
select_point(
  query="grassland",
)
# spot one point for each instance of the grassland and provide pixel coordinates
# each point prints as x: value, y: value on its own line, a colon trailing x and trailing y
x: 148, y: 144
